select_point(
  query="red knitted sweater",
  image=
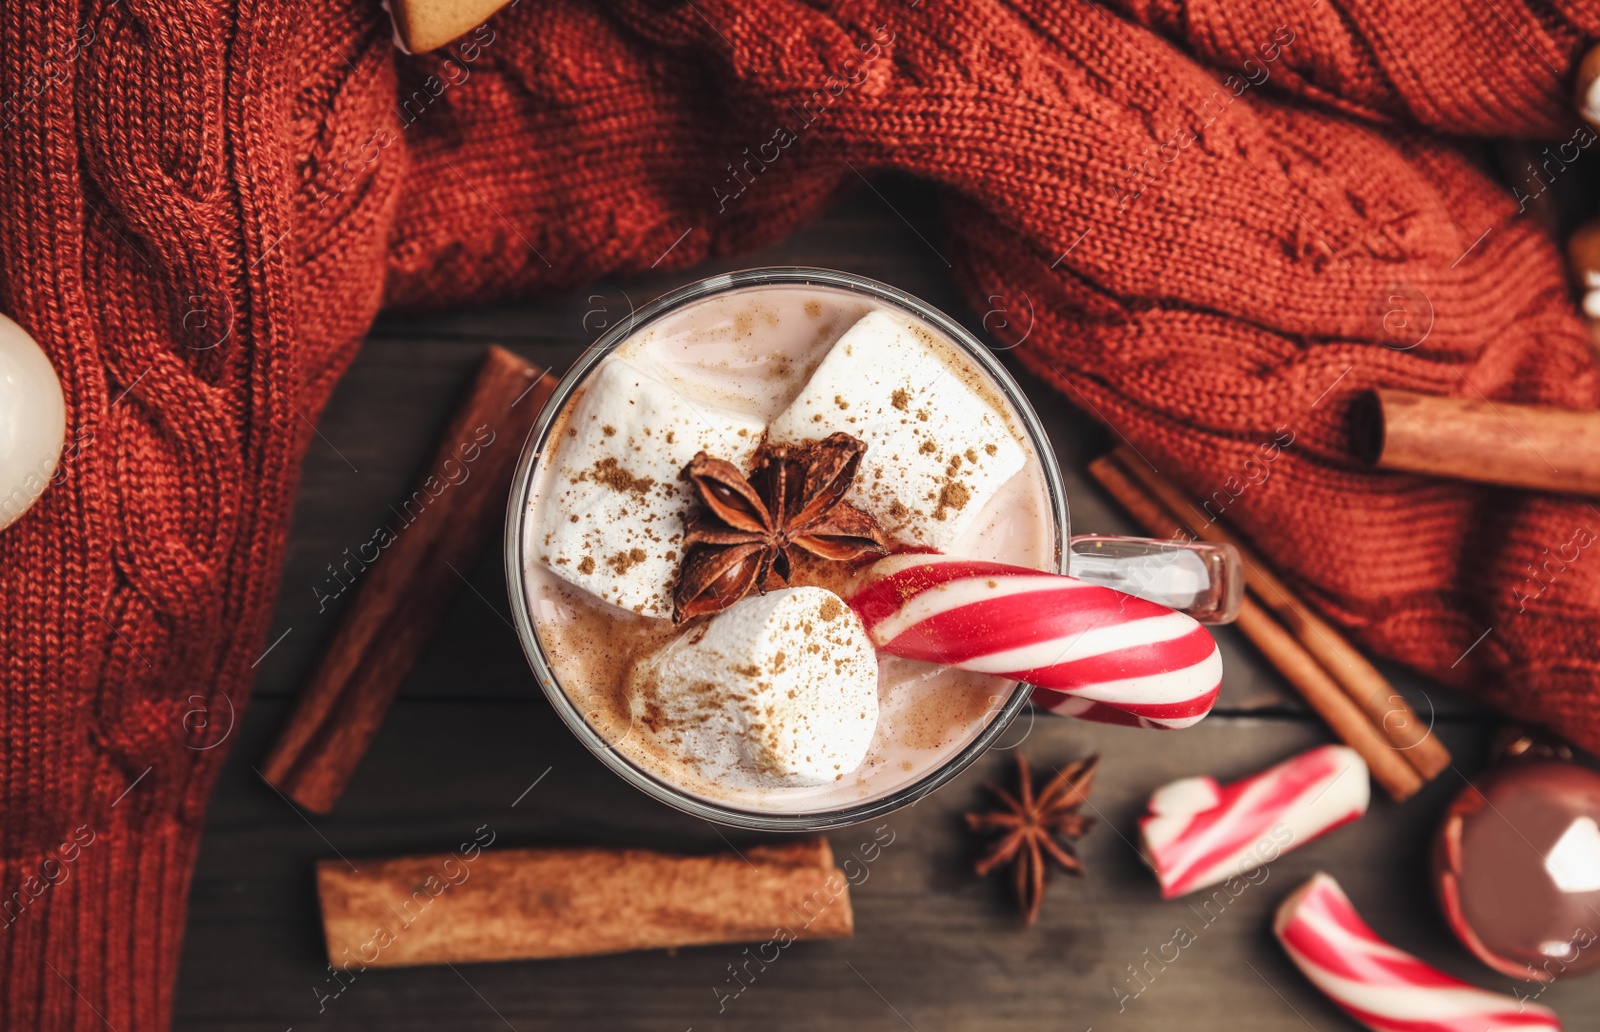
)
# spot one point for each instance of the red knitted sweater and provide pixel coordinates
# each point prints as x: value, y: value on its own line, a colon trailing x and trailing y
x: 1207, y: 208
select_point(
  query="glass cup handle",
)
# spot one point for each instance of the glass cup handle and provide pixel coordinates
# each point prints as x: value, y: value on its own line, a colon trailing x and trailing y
x: 1205, y: 581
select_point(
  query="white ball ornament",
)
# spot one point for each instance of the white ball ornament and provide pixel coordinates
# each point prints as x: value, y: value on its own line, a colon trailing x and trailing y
x: 33, y: 422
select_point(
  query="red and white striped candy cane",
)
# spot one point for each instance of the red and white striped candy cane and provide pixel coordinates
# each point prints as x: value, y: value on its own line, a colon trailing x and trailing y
x: 1199, y: 833
x: 1091, y: 647
x: 1065, y: 705
x: 1384, y: 988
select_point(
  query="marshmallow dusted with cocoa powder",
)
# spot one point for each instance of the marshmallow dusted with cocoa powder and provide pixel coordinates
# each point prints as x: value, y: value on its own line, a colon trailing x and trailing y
x: 611, y: 519
x: 937, y: 449
x: 777, y: 689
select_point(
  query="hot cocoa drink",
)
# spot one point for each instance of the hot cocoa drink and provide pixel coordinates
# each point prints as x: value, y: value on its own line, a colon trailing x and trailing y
x: 703, y: 507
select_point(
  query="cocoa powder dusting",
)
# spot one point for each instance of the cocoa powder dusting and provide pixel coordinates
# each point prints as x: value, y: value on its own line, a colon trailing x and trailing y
x: 610, y: 473
x: 622, y: 562
x: 953, y: 495
x: 807, y: 571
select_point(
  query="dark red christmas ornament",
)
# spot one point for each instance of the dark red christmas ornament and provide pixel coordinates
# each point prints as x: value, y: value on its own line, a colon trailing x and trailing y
x: 1517, y: 868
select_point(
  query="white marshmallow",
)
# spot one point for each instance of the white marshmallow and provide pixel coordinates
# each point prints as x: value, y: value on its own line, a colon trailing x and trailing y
x: 611, y: 517
x: 937, y: 451
x: 778, y: 689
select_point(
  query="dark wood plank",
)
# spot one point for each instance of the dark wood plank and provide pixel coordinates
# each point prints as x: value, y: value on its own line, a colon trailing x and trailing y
x: 943, y: 948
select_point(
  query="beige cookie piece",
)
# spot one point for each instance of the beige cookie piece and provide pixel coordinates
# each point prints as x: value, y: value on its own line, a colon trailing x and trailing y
x: 425, y: 25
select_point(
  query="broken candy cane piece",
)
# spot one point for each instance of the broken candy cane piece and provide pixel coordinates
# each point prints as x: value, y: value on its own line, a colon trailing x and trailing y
x: 1199, y: 833
x: 1384, y: 988
x: 1081, y: 641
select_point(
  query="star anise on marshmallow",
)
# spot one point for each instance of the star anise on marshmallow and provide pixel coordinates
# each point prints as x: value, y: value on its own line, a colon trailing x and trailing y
x: 793, y: 498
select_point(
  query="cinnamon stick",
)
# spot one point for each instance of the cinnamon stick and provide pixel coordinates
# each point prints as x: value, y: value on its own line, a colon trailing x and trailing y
x: 1391, y: 767
x: 1388, y: 766
x: 1369, y: 689
x: 1526, y: 446
x: 526, y: 904
x: 1146, y: 510
x: 434, y: 538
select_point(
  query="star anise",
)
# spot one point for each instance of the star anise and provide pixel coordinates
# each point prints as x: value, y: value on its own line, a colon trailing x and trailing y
x: 1030, y: 824
x: 792, y: 498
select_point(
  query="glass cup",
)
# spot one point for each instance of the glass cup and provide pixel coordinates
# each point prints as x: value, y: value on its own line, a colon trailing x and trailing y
x: 1201, y: 579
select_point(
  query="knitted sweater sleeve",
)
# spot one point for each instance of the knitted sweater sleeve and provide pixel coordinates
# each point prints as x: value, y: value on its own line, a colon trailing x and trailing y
x: 171, y: 241
x: 1497, y: 70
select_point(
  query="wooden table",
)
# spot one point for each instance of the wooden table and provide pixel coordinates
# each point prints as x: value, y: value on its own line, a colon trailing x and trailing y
x: 472, y: 742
